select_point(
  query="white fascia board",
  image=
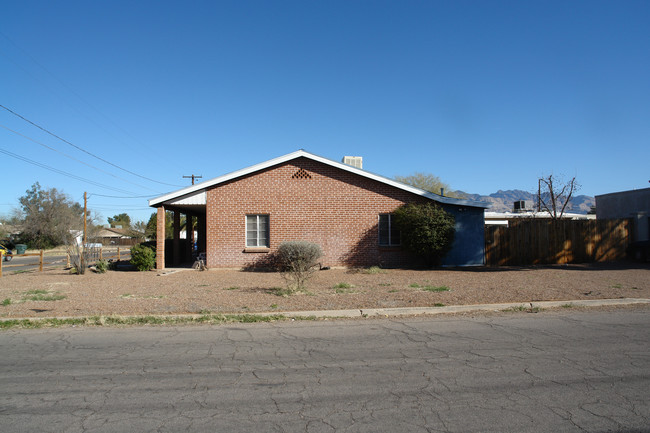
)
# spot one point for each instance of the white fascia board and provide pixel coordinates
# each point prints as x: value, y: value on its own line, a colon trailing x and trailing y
x: 400, y: 185
x: 224, y: 178
x: 535, y: 215
x: 302, y: 153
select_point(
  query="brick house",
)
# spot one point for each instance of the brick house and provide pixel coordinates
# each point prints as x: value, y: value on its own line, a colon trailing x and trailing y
x: 242, y: 216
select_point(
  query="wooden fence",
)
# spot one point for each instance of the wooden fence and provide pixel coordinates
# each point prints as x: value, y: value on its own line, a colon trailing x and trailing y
x: 97, y: 253
x: 531, y: 242
x: 40, y: 261
x: 93, y: 254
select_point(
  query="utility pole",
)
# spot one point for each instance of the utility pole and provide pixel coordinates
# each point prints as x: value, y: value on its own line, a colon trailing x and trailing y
x: 193, y: 177
x: 85, y: 210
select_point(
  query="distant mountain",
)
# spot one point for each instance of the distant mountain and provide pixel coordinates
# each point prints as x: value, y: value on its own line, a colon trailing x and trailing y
x: 503, y: 201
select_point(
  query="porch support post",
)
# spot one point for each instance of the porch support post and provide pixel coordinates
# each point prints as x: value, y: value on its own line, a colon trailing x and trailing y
x: 189, y: 231
x: 200, y: 228
x: 176, y: 259
x: 160, y: 238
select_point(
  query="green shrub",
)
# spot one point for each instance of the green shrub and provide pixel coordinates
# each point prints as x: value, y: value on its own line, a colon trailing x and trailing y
x: 101, y: 266
x: 143, y: 258
x: 427, y: 230
x: 298, y: 261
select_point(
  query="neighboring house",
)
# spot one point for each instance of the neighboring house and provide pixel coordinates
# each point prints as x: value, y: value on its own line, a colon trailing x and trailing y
x: 242, y: 216
x: 115, y: 236
x: 77, y: 237
x: 633, y: 204
x: 502, y: 218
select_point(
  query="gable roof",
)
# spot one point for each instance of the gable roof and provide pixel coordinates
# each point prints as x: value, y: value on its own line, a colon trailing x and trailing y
x: 111, y: 232
x: 195, y: 194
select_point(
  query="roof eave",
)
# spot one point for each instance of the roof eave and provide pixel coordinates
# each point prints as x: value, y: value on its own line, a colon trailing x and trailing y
x: 159, y: 201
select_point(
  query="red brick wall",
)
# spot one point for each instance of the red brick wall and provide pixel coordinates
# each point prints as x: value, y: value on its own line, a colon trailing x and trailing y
x: 160, y: 238
x: 336, y: 209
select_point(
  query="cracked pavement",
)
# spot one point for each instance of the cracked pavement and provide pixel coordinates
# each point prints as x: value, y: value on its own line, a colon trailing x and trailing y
x: 556, y: 371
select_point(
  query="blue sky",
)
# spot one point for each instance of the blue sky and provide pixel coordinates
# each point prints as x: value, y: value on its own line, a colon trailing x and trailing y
x: 486, y: 95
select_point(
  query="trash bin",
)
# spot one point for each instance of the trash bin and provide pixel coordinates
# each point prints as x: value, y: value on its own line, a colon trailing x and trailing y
x: 21, y: 248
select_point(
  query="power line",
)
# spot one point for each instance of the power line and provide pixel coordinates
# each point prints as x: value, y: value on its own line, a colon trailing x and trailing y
x: 114, y: 205
x: 119, y: 204
x: 73, y: 158
x: 64, y: 173
x: 84, y: 150
x: 116, y: 208
x: 119, y: 196
x: 71, y: 91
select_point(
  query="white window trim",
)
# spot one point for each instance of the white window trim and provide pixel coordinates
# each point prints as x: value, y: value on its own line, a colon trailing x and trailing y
x: 257, y: 232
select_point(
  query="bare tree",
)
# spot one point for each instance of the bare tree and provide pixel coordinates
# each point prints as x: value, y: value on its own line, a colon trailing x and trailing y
x: 554, y: 194
x: 48, y: 215
x: 429, y: 182
x: 50, y: 218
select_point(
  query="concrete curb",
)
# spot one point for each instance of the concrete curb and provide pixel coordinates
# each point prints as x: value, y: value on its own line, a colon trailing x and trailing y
x: 389, y: 312
x: 414, y: 311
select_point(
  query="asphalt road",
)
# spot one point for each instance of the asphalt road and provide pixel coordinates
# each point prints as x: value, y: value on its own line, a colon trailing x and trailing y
x: 547, y: 372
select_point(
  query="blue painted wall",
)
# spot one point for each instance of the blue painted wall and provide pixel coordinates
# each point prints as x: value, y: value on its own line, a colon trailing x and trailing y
x: 468, y: 248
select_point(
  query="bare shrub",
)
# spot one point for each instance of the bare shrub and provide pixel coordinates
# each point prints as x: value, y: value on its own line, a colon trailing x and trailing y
x: 298, y: 261
x: 78, y: 257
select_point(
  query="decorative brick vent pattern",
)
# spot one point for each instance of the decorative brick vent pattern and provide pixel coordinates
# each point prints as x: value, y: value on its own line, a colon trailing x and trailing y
x: 301, y: 174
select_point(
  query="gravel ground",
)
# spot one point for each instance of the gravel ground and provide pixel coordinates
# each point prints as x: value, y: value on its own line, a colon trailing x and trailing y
x: 233, y: 291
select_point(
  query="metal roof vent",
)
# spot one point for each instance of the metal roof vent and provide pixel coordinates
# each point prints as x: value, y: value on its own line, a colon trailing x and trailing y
x: 354, y: 161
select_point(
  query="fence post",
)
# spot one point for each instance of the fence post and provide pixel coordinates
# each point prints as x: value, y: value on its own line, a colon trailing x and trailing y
x: 118, y: 254
x: 101, y: 253
x: 67, y: 260
x: 40, y: 265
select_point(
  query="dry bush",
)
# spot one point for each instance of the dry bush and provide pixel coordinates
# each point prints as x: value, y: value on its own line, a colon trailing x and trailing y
x: 298, y: 261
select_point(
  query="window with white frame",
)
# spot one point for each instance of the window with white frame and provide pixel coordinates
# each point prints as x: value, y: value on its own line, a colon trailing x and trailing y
x: 257, y: 231
x: 389, y: 234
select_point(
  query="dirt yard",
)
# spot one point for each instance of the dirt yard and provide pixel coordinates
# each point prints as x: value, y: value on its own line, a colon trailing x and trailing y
x: 57, y: 293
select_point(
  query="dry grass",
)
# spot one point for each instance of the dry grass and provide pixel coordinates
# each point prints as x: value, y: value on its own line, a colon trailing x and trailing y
x: 232, y: 292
